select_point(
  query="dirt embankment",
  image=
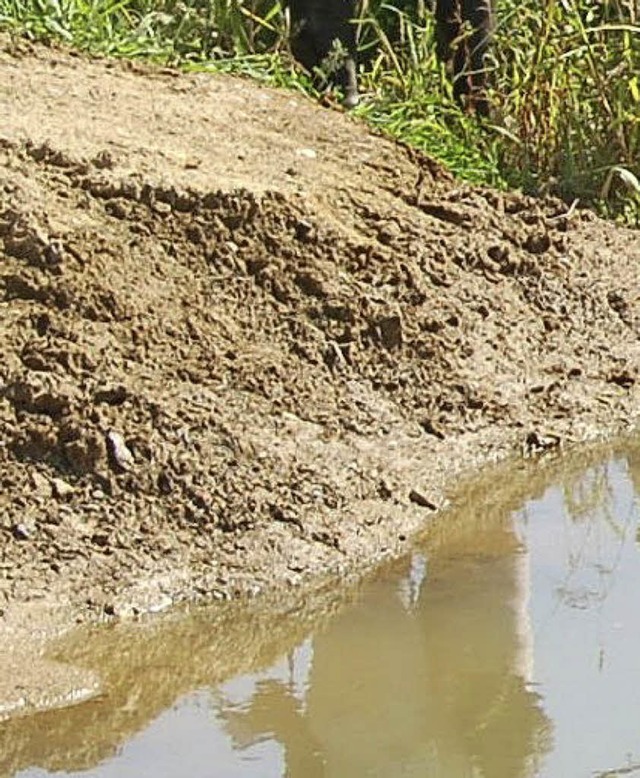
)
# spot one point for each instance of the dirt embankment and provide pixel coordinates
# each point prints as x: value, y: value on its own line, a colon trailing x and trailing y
x: 244, y: 341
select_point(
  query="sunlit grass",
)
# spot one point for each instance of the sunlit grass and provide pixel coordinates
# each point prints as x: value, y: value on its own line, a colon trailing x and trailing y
x: 565, y: 76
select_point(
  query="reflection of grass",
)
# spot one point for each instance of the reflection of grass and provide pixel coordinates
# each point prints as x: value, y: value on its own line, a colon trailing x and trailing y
x: 565, y: 73
x: 585, y: 478
x: 596, y: 532
x: 590, y: 492
x: 632, y: 768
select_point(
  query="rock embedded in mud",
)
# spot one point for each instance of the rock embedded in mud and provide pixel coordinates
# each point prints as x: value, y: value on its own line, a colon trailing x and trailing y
x: 537, y: 442
x: 418, y: 498
x: 119, y: 454
x: 61, y: 489
x: 22, y: 531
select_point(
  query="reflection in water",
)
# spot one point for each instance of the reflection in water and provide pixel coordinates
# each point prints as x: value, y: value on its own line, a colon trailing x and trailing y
x: 437, y: 688
x: 585, y: 573
x: 506, y: 647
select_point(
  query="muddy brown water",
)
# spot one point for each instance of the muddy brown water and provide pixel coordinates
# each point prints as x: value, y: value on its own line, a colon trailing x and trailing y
x: 505, y: 644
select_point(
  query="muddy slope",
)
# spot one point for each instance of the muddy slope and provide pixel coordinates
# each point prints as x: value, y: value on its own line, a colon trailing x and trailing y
x: 244, y: 341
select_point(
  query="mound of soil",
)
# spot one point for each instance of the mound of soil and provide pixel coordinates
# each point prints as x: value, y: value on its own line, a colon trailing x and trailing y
x: 245, y: 341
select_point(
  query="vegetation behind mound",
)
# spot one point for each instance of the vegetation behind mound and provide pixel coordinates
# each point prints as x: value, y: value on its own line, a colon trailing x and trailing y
x: 564, y: 74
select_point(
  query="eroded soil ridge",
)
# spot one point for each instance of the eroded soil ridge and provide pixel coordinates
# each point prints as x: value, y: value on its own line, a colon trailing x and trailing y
x: 226, y: 370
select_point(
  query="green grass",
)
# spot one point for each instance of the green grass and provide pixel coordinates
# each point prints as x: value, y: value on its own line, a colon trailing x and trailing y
x: 565, y: 76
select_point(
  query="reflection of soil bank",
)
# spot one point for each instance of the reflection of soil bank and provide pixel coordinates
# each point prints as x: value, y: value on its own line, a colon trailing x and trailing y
x: 434, y: 674
x: 450, y: 645
x: 145, y: 668
x: 432, y: 680
x: 245, y: 341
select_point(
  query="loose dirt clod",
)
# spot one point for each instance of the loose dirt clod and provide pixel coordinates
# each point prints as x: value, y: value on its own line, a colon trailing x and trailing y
x: 225, y: 372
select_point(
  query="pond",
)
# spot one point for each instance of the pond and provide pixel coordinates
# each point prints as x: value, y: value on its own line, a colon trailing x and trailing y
x: 507, y: 643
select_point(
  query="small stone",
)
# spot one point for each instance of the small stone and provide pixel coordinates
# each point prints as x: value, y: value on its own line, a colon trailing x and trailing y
x: 419, y: 499
x: 307, y: 153
x: 41, y: 484
x: 61, y: 489
x: 119, y: 453
x: 164, y: 209
x: 21, y: 531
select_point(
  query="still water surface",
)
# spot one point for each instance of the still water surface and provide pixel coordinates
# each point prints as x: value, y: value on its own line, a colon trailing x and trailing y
x: 507, y: 644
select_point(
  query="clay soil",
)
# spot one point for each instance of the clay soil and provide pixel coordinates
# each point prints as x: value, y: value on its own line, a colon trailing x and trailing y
x: 246, y: 343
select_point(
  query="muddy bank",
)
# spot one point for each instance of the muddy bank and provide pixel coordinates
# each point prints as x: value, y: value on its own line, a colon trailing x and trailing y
x: 148, y: 667
x: 245, y: 342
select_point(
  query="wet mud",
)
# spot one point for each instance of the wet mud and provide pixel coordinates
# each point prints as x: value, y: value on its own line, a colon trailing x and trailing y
x: 246, y: 343
x: 475, y: 582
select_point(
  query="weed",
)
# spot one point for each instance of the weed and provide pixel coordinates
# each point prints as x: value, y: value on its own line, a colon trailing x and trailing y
x: 564, y: 73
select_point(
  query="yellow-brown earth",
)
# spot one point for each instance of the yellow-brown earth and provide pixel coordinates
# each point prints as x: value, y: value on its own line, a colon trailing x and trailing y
x: 246, y: 343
